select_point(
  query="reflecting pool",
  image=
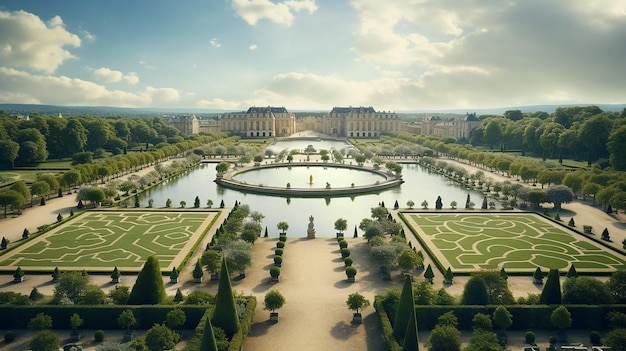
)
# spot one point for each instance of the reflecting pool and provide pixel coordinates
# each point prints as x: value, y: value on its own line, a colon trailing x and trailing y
x: 419, y: 185
x: 302, y: 144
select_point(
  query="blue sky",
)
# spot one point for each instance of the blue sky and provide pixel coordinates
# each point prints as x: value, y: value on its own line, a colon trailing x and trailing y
x: 313, y: 54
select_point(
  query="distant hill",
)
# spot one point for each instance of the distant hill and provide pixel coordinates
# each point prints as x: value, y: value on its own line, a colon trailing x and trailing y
x: 107, y: 111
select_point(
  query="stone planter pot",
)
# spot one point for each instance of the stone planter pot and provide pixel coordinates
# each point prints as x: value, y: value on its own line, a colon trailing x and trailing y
x: 173, y: 280
x: 351, y: 279
x: 215, y: 277
x: 357, y: 318
x: 197, y: 280
x: 274, y: 317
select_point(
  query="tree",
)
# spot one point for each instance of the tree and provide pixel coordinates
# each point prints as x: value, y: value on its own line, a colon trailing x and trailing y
x: 251, y: 231
x: 410, y: 204
x: 561, y: 318
x: 497, y: 288
x: 71, y: 285
x: 126, y: 320
x: 222, y: 167
x: 225, y: 313
x: 615, y: 145
x: 119, y: 295
x: 41, y: 321
x: 536, y: 197
x: 408, y: 260
x: 11, y: 198
x: 617, y: 285
x: 438, y: 203
x: 481, y: 321
x: 8, y: 153
x: 615, y: 339
x: 428, y: 274
x: 273, y: 300
x: 45, y: 340
x: 196, y: 202
x: 551, y: 293
x: 559, y: 194
x: 341, y: 225
x: 149, y: 288
x: 283, y: 226
x: 238, y: 254
x: 356, y: 301
x: 40, y: 188
x: 211, y: 260
x: 160, y: 337
x: 75, y: 322
x: 475, y: 292
x: 586, y: 290
x: 405, y: 305
x: 444, y: 338
x: 257, y: 216
x: 502, y: 317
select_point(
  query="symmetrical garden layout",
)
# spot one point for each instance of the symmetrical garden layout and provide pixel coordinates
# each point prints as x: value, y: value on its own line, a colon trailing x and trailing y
x: 99, y: 241
x: 519, y: 242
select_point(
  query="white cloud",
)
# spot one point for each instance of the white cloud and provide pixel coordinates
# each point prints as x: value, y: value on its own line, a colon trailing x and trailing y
x: 215, y: 43
x: 218, y: 103
x: 27, y: 42
x: 252, y: 47
x: 108, y: 75
x: 24, y: 87
x: 88, y: 37
x: 278, y: 12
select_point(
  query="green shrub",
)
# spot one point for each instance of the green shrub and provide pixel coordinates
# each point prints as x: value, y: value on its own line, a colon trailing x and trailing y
x: 345, y: 252
x: 278, y: 260
x: 9, y: 336
x: 282, y: 238
x: 98, y: 336
x: 274, y: 272
x: 350, y: 271
x: 594, y: 338
x: 348, y: 261
x: 280, y: 244
x: 343, y: 244
x: 530, y: 337
x: 278, y: 252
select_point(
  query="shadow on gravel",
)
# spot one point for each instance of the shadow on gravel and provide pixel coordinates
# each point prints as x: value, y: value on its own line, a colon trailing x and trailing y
x: 260, y: 328
x: 343, y: 330
x: 264, y: 286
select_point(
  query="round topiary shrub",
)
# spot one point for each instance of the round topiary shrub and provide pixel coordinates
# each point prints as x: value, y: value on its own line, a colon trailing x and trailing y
x: 278, y: 260
x: 594, y: 338
x: 99, y: 335
x: 530, y: 337
x: 275, y: 273
x: 350, y: 272
x: 348, y: 261
x: 9, y: 336
x: 282, y: 238
x: 280, y: 244
x: 278, y: 252
x: 343, y: 244
x: 345, y: 252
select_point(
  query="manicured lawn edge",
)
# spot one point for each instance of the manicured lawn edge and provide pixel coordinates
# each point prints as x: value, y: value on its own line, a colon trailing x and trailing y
x: 197, y: 243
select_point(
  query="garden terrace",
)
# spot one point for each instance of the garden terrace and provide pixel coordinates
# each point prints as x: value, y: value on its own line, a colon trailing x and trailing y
x: 519, y: 242
x: 97, y: 241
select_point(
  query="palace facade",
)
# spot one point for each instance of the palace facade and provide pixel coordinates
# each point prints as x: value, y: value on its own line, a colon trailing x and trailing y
x: 340, y: 122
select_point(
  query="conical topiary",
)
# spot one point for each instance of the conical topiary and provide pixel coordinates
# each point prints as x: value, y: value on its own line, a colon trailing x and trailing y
x: 404, y: 309
x: 551, y: 292
x: 208, y: 337
x: 225, y: 313
x: 428, y: 274
x: 149, y: 288
x: 503, y: 274
x: 410, y: 339
x: 571, y: 273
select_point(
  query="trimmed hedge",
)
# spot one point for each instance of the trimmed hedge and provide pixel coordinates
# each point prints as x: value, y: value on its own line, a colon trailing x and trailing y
x: 236, y: 343
x: 385, y: 326
x: 96, y: 317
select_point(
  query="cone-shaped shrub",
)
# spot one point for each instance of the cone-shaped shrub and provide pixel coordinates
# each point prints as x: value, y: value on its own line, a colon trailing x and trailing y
x: 551, y: 293
x: 571, y: 273
x: 538, y: 276
x: 149, y: 288
x: 503, y: 274
x: 225, y: 313
x: 208, y: 337
x: 197, y: 271
x: 410, y: 338
x: 403, y: 312
x: 448, y: 275
x: 428, y: 274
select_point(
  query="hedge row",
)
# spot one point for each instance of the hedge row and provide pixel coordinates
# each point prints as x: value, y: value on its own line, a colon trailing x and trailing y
x: 236, y: 344
x: 197, y: 243
x: 386, y: 327
x: 97, y: 317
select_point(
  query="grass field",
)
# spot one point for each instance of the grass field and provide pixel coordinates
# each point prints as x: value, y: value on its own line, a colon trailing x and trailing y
x: 519, y: 242
x: 99, y: 241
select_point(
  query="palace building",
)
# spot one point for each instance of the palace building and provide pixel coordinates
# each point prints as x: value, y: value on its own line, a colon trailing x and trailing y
x: 262, y: 122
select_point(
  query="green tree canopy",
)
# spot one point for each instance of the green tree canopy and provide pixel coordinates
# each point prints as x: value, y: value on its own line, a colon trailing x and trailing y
x: 149, y: 288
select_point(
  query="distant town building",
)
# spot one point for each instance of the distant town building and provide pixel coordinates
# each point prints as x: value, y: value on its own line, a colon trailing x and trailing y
x: 360, y: 122
x: 262, y: 122
x: 456, y: 128
x: 187, y: 124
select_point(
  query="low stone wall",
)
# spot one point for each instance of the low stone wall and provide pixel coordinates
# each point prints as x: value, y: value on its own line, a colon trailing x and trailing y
x: 390, y: 181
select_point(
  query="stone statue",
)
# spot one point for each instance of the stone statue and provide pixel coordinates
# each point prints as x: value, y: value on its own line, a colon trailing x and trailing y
x: 311, y: 230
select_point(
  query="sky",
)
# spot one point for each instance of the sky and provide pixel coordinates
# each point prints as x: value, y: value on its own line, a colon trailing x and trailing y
x: 393, y: 55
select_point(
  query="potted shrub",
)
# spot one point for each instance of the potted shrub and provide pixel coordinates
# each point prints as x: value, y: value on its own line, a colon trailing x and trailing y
x: 282, y: 238
x: 345, y: 252
x: 273, y: 301
x: 538, y: 276
x: 197, y: 273
x: 448, y: 276
x: 343, y: 244
x: 429, y: 275
x: 115, y: 276
x: 55, y: 274
x: 587, y: 229
x: 351, y: 273
x: 355, y: 303
x: 279, y: 252
x: 174, y: 276
x: 75, y: 322
x: 275, y: 273
x: 348, y: 261
x: 212, y: 260
x: 280, y: 244
x: 19, y: 275
x: 278, y: 261
x: 126, y: 320
x: 530, y: 337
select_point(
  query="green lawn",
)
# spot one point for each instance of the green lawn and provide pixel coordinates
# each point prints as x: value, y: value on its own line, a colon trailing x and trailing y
x: 99, y: 241
x: 519, y: 242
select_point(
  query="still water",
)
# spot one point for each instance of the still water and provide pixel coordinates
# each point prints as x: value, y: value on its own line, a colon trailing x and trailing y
x: 301, y: 144
x: 419, y: 185
x: 310, y: 177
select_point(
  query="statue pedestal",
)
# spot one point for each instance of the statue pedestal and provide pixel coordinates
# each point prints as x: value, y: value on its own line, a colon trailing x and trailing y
x: 310, y: 232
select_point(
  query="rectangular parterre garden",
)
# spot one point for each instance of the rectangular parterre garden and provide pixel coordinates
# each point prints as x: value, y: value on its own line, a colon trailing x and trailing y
x: 519, y: 242
x: 100, y: 240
